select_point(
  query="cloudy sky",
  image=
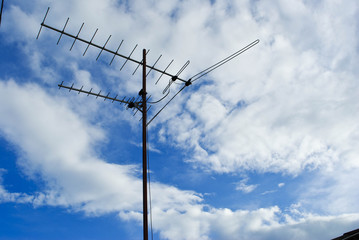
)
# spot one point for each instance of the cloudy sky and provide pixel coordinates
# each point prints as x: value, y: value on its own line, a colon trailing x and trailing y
x: 264, y: 147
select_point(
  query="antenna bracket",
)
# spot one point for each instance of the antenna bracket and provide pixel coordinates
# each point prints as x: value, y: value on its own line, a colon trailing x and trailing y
x: 131, y: 105
x: 141, y: 92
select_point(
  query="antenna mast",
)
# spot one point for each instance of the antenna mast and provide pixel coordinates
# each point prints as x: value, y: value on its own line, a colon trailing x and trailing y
x: 144, y: 148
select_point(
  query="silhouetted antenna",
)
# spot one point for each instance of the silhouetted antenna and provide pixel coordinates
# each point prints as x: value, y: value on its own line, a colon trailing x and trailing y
x: 2, y: 6
x: 140, y: 102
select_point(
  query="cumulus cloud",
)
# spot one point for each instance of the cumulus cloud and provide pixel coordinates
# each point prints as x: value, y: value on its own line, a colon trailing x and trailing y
x: 264, y: 223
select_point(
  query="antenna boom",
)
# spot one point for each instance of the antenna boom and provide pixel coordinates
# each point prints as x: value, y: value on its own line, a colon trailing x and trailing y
x: 102, y: 48
x: 99, y: 95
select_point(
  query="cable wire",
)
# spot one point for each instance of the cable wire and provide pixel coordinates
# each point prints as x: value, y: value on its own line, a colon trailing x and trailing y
x: 223, y: 61
x: 160, y: 99
x: 149, y: 184
x: 166, y: 105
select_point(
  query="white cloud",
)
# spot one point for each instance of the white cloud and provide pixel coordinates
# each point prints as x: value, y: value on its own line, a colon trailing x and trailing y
x: 268, y: 192
x: 280, y: 185
x: 264, y: 223
x: 75, y: 178
x: 242, y: 186
x: 331, y: 192
x: 149, y: 146
x: 56, y: 145
x: 287, y: 106
x: 6, y: 196
x: 291, y: 110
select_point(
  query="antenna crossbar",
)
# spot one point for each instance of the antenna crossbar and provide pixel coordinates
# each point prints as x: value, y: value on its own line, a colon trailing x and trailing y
x: 130, y: 102
x: 103, y: 48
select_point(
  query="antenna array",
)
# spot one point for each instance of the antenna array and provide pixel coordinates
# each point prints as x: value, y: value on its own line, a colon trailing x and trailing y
x: 114, y: 53
x: 139, y: 103
x: 129, y: 102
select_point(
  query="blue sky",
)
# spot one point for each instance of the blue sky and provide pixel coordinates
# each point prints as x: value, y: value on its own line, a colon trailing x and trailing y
x: 265, y: 147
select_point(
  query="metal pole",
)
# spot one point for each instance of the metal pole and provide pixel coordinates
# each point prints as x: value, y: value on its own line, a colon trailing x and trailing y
x: 144, y: 146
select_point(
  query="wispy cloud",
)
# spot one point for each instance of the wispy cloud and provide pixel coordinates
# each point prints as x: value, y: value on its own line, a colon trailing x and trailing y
x: 244, y: 187
x: 268, y: 192
x: 150, y: 147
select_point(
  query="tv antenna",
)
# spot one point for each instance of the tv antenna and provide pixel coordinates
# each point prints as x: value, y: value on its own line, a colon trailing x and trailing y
x: 140, y: 102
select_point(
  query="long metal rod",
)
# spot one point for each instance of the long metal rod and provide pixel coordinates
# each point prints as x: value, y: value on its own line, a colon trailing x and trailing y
x: 144, y: 146
x: 109, y: 51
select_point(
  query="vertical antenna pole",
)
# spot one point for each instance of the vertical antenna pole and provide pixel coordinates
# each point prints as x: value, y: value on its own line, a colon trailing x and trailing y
x: 144, y: 146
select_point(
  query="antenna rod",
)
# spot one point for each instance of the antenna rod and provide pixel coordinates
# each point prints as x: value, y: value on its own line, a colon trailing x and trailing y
x: 144, y: 146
